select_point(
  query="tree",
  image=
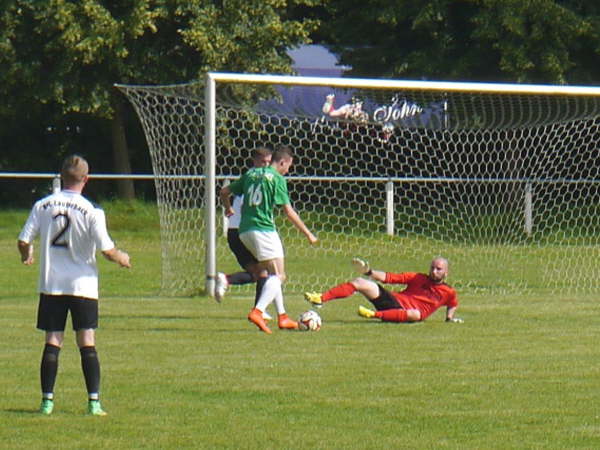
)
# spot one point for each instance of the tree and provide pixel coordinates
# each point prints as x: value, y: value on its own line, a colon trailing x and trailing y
x: 541, y: 41
x: 61, y: 58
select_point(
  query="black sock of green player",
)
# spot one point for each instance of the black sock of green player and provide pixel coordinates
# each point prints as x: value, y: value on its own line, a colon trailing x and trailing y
x: 91, y: 371
x: 259, y: 287
x: 48, y: 369
x: 240, y: 278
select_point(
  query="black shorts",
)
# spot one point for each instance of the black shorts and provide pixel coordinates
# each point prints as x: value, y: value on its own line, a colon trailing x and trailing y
x: 386, y: 300
x: 242, y: 254
x: 53, y: 310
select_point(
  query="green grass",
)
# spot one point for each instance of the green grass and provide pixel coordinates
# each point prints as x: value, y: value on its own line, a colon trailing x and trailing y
x: 521, y: 372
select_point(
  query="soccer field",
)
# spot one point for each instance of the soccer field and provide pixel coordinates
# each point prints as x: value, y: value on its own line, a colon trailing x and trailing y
x: 521, y: 372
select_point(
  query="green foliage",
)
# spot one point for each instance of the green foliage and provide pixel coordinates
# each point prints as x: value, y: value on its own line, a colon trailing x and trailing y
x: 541, y: 41
x: 132, y: 216
x: 70, y: 53
x: 61, y: 58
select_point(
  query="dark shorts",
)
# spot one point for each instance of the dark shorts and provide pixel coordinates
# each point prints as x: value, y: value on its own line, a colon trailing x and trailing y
x: 53, y: 310
x: 386, y: 300
x: 242, y: 254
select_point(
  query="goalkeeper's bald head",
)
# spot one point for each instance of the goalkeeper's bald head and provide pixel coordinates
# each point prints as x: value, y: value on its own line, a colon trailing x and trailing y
x: 438, y: 271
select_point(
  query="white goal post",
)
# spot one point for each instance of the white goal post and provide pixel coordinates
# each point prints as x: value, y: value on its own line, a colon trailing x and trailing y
x: 502, y: 179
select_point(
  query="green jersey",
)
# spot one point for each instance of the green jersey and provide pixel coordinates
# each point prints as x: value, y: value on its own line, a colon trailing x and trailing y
x: 263, y: 188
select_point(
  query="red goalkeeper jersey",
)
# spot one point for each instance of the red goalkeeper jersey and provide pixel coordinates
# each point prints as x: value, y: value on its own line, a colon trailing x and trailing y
x: 421, y: 293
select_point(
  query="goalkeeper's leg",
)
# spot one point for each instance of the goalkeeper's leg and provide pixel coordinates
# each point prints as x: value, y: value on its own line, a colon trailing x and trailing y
x: 398, y: 315
x: 368, y: 288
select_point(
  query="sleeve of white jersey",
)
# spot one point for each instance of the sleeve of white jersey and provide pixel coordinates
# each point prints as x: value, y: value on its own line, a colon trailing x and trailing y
x: 31, y: 228
x: 99, y: 231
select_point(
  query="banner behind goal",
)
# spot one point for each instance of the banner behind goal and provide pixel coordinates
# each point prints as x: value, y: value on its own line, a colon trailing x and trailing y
x: 503, y: 180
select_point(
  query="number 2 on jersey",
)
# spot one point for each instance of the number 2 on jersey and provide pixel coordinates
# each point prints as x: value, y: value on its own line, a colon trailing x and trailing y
x: 59, y: 239
x: 255, y: 195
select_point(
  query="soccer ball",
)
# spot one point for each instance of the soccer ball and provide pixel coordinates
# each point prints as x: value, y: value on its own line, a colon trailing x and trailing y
x: 309, y: 321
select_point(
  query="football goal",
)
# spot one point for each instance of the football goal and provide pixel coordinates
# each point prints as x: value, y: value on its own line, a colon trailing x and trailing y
x: 501, y: 179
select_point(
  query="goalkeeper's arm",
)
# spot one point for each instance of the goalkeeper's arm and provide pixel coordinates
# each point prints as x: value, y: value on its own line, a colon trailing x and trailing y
x: 450, y: 315
x: 363, y: 268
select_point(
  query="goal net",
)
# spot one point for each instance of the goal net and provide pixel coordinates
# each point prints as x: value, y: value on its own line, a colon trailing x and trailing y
x: 503, y: 180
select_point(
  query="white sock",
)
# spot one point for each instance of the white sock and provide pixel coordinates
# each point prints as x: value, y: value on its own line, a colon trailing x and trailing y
x: 269, y: 292
x: 279, y: 300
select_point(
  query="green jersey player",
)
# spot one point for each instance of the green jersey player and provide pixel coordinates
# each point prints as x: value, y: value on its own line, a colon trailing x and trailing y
x: 263, y: 189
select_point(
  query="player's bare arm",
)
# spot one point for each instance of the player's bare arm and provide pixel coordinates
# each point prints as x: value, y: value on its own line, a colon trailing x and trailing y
x: 293, y: 216
x: 225, y: 195
x: 118, y: 256
x: 450, y: 315
x: 26, y: 251
x: 378, y: 275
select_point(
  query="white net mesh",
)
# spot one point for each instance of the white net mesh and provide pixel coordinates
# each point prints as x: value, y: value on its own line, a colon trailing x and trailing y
x: 505, y: 186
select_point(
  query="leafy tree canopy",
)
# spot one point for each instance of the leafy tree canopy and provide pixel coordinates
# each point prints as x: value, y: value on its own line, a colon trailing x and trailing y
x: 70, y: 53
x: 540, y: 41
x: 61, y: 58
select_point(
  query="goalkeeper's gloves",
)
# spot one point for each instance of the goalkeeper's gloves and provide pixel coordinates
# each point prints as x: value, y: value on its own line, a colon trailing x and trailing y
x: 454, y: 320
x: 361, y: 266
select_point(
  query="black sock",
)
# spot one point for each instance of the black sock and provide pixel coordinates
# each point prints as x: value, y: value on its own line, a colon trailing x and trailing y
x: 240, y: 278
x: 91, y: 370
x: 259, y: 287
x: 49, y: 368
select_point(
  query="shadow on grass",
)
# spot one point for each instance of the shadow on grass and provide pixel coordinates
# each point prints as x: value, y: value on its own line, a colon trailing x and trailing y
x: 146, y: 317
x: 35, y: 412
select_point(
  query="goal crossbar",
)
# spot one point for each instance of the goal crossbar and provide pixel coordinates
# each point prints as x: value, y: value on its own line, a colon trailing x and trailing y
x: 364, y: 83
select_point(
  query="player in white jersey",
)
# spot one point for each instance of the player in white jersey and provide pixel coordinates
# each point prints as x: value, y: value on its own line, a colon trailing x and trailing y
x: 245, y: 259
x: 70, y: 228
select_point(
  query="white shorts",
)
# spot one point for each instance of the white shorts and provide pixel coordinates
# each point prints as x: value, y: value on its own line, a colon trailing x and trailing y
x: 264, y: 245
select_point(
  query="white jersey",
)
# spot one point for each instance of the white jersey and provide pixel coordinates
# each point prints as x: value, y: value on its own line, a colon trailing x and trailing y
x: 70, y: 229
x: 234, y: 221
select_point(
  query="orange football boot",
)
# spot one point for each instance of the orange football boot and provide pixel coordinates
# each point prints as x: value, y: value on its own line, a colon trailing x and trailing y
x: 256, y: 318
x: 285, y: 323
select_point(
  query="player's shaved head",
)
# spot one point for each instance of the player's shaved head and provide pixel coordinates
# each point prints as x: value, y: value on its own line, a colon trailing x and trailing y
x: 438, y: 269
x: 261, y: 156
x: 74, y: 170
x: 441, y: 260
x: 283, y: 152
x: 282, y: 159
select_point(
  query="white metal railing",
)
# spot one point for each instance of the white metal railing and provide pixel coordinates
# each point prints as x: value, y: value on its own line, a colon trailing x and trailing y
x: 56, y: 177
x: 389, y: 187
x: 102, y: 176
x: 110, y: 176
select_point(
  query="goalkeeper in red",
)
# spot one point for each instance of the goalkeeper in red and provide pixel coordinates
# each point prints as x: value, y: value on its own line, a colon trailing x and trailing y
x: 423, y: 295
